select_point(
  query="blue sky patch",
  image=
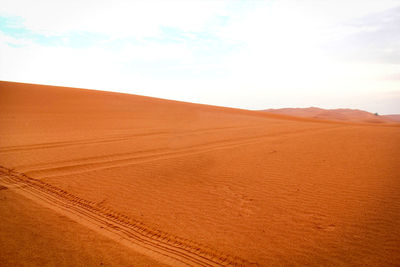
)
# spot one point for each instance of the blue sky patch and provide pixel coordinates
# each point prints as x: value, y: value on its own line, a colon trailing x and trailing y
x: 14, y: 27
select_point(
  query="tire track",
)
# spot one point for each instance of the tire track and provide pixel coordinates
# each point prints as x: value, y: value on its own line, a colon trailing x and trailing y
x: 124, y: 159
x: 155, y: 243
x: 116, y: 138
x: 77, y: 142
x: 104, y: 162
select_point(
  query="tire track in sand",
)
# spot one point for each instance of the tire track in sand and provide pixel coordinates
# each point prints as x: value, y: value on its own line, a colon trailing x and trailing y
x: 82, y: 165
x: 113, y: 138
x: 155, y: 243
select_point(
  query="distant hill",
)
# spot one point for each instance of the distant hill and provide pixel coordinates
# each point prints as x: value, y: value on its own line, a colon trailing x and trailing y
x: 394, y: 117
x: 350, y: 115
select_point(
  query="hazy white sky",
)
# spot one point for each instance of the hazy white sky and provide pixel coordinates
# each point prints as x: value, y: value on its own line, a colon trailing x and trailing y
x: 245, y: 54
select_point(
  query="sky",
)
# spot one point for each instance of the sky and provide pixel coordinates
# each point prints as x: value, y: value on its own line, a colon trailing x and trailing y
x: 243, y: 54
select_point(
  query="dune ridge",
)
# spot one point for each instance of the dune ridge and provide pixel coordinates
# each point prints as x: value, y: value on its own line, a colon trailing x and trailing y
x: 341, y: 114
x: 191, y: 184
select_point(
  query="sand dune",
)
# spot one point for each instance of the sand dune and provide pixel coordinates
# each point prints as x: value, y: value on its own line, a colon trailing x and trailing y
x: 167, y: 182
x: 350, y: 115
x: 32, y: 235
x: 393, y: 117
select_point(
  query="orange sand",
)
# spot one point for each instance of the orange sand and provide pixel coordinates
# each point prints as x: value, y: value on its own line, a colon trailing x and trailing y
x: 393, y: 117
x: 158, y: 181
x: 351, y: 115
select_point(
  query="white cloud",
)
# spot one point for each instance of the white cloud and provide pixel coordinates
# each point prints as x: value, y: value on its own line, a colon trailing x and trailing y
x: 278, y: 57
x: 113, y: 18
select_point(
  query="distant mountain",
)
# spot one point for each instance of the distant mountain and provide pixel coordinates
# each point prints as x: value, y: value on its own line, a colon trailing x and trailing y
x: 350, y: 115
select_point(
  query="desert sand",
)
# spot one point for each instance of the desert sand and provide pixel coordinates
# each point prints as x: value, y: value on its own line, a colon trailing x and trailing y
x: 91, y: 178
x: 340, y: 114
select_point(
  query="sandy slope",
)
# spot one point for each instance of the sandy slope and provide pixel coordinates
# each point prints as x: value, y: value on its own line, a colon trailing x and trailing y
x: 32, y: 235
x: 201, y: 185
x: 350, y: 115
x: 394, y: 117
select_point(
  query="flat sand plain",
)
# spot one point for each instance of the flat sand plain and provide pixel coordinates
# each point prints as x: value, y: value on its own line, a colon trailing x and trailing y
x: 99, y: 178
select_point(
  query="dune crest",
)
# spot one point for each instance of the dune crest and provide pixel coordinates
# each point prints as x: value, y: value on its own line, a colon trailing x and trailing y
x: 188, y: 184
x: 350, y: 115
